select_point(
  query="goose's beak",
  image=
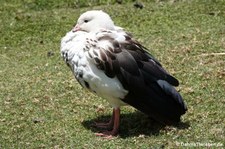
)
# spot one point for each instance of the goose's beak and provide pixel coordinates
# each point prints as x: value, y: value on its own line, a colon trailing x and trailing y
x: 76, y: 28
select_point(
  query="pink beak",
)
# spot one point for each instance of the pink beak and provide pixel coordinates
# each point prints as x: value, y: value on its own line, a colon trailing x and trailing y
x: 76, y: 28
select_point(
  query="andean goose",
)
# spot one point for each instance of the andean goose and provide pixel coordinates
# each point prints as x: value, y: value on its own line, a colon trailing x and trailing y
x: 110, y: 63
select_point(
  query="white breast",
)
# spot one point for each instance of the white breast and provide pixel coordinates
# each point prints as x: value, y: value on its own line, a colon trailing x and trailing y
x: 74, y: 47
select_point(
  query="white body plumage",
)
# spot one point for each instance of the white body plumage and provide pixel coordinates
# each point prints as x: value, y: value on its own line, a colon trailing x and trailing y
x: 78, y: 49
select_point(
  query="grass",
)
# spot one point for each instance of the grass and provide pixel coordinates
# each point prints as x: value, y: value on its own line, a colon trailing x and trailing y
x: 42, y: 106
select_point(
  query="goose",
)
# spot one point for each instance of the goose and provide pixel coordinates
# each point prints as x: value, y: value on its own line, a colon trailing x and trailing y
x: 109, y: 62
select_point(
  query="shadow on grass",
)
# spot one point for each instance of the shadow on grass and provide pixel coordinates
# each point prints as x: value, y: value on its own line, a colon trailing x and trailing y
x: 133, y: 124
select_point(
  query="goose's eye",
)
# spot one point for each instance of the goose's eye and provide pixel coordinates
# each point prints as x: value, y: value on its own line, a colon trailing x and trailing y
x: 85, y: 21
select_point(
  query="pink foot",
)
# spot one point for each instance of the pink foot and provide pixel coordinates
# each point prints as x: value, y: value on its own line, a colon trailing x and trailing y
x: 113, y: 123
x: 107, y: 134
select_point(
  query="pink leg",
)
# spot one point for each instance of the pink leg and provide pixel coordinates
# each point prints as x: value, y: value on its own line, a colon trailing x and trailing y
x: 116, y: 122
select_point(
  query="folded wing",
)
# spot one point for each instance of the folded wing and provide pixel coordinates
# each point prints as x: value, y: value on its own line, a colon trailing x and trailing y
x: 150, y: 86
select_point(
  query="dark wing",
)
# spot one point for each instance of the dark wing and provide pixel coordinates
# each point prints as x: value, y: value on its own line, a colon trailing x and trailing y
x: 150, y: 86
x: 130, y: 56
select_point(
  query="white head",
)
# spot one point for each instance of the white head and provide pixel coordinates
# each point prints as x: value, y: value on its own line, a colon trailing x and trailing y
x: 94, y: 20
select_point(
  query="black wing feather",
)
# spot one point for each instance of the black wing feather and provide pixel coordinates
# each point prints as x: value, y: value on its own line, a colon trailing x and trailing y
x: 150, y: 86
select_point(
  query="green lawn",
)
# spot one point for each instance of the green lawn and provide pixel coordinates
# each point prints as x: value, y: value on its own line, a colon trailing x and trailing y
x: 42, y: 106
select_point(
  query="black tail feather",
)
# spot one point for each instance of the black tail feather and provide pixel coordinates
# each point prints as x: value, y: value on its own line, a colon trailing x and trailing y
x: 162, y: 103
